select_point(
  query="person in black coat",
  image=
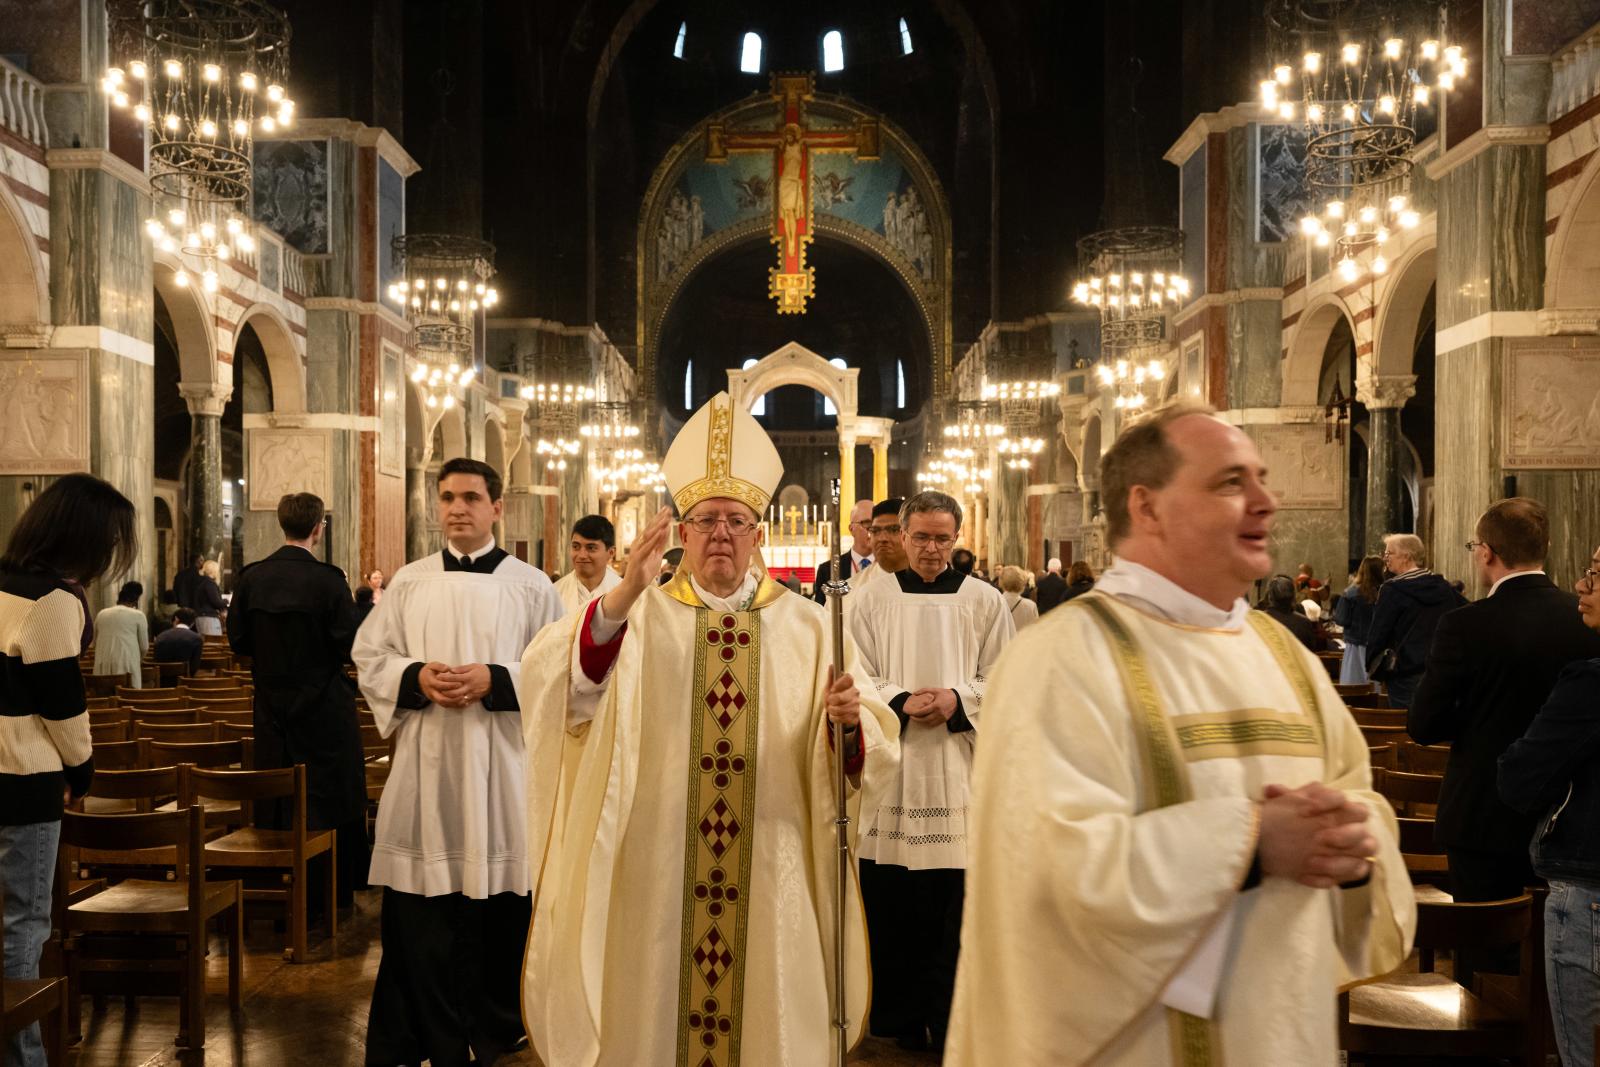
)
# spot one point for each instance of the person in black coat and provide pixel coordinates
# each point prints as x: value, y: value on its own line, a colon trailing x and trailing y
x: 294, y: 617
x: 1491, y: 666
x: 1052, y: 587
x: 1080, y: 579
x: 1280, y: 606
x: 1409, y: 606
x: 853, y: 560
x: 179, y: 643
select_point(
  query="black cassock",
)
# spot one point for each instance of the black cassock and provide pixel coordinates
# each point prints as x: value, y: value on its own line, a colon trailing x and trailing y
x: 293, y: 615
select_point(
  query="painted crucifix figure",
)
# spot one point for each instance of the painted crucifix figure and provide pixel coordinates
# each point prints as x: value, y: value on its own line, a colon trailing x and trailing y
x: 791, y: 144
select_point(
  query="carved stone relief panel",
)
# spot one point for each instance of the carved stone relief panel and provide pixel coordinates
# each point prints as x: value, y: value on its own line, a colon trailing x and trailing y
x: 288, y: 461
x: 44, y: 412
x: 1305, y: 469
x: 1551, y: 409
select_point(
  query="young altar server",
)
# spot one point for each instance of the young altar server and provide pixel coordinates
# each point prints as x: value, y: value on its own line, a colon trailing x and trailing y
x: 681, y: 793
x: 590, y: 551
x: 1177, y: 857
x: 929, y: 636
x: 438, y: 661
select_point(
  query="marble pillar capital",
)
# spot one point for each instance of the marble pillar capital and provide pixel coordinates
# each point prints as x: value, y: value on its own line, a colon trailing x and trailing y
x: 205, y: 398
x: 1386, y: 390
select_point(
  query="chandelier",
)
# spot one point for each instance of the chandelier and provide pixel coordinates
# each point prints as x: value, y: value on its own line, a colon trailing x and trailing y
x: 201, y: 77
x: 1131, y: 275
x: 1367, y: 76
x: 1018, y: 451
x: 1128, y: 381
x: 443, y: 293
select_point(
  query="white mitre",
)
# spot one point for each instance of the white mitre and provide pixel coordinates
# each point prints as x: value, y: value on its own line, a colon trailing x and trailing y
x: 722, y: 451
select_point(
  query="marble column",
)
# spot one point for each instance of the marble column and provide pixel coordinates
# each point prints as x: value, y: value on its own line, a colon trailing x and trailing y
x: 847, y: 473
x: 206, y: 535
x: 418, y: 543
x: 1384, y: 397
x: 880, y: 469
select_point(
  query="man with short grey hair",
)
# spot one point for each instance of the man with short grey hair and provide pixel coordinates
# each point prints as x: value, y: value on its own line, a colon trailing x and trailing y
x: 1052, y: 587
x: 1410, y: 605
x: 928, y: 640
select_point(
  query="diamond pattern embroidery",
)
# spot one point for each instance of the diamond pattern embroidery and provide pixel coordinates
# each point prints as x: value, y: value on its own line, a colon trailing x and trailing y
x: 726, y: 700
x: 719, y: 826
x: 713, y: 956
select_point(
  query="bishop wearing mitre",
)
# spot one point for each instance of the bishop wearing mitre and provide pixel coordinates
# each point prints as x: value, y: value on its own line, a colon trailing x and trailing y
x: 681, y: 797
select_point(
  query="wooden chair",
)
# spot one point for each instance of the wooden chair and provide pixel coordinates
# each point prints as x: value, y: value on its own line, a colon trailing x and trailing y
x: 1355, y: 689
x: 1383, y: 735
x: 118, y: 756
x: 1429, y: 1014
x: 100, y: 703
x: 240, y: 718
x: 1385, y: 757
x: 285, y: 853
x: 175, y: 731
x: 163, y: 674
x: 1424, y: 858
x: 107, y: 713
x: 1367, y: 700
x: 1408, y: 792
x: 1378, y: 716
x: 208, y: 681
x: 145, y: 696
x: 108, y: 730
x: 234, y: 731
x: 235, y: 754
x: 157, y: 704
x: 1332, y: 661
x: 104, y: 685
x: 25, y: 1001
x: 160, y: 716
x: 129, y: 927
x: 1423, y: 759
x: 222, y: 703
x: 135, y: 790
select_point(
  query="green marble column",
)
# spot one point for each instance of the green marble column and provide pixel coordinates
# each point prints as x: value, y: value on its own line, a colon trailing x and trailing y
x: 206, y: 533
x: 1384, y: 397
x: 418, y: 540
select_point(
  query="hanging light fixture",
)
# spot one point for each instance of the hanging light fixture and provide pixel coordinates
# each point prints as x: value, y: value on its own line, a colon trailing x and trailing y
x: 444, y: 294
x: 1128, y: 380
x: 203, y: 78
x: 1132, y: 276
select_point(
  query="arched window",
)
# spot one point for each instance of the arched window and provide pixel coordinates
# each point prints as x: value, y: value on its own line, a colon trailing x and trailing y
x: 905, y: 38
x: 827, y: 404
x: 750, y: 54
x: 688, y: 386
x: 759, y: 408
x: 900, y: 365
x: 832, y: 51
x: 683, y: 32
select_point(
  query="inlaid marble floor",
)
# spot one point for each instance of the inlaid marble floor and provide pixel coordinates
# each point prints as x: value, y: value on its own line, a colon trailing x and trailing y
x: 311, y: 1013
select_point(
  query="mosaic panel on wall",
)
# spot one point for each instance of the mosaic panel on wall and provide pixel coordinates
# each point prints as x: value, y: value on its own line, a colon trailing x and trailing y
x: 391, y: 222
x: 1280, y: 170
x: 292, y: 192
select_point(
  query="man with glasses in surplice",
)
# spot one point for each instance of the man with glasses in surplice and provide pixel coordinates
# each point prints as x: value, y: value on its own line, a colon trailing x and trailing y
x: 928, y: 639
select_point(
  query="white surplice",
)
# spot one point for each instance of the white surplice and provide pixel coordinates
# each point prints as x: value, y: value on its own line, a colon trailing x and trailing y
x: 574, y: 597
x: 1097, y: 916
x: 911, y: 641
x: 452, y: 815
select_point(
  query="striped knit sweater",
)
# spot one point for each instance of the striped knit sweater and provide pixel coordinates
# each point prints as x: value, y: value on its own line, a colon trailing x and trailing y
x: 44, y: 727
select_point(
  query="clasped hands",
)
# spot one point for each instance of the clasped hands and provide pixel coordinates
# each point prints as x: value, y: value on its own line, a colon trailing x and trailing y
x: 454, y: 687
x: 930, y: 707
x: 1315, y: 835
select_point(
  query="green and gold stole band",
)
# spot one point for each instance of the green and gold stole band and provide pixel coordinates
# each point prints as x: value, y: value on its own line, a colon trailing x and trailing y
x: 1277, y: 639
x: 1195, y: 1040
x: 719, y: 842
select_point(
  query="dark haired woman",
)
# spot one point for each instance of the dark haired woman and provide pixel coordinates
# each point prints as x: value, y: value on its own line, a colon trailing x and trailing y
x: 75, y: 532
x: 1353, y: 611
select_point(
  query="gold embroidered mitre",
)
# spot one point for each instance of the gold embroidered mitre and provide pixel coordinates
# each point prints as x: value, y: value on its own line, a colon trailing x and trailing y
x: 722, y: 452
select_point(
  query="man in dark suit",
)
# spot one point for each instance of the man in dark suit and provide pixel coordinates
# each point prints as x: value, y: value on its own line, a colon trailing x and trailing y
x: 186, y: 582
x: 1052, y: 587
x: 853, y: 560
x: 180, y: 643
x: 1491, y: 665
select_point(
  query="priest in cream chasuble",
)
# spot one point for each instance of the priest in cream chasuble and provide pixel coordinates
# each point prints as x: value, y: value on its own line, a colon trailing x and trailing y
x: 1177, y: 858
x: 681, y: 807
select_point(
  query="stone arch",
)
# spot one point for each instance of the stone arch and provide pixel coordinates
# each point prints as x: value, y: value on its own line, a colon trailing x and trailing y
x: 1302, y: 368
x: 1572, y: 274
x: 419, y: 427
x: 24, y: 281
x: 795, y: 364
x: 453, y: 433
x: 1400, y: 308
x: 494, y: 446
x: 192, y: 325
x: 285, y: 365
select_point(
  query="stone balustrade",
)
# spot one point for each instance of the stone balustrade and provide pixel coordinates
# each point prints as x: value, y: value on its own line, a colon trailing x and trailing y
x: 1575, y: 74
x: 22, y: 104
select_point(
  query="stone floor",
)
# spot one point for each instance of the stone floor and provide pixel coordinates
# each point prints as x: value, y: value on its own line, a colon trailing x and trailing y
x: 310, y: 1013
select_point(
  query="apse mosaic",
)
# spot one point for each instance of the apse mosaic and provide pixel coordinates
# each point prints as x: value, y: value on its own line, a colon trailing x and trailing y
x: 1281, y: 164
x: 291, y: 192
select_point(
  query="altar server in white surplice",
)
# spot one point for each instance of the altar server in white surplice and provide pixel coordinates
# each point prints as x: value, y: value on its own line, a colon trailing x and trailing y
x: 590, y: 550
x: 438, y: 660
x: 681, y: 793
x: 1177, y: 856
x: 929, y: 637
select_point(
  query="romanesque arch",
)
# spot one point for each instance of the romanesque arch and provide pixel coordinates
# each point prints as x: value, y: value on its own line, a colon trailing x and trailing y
x: 24, y: 281
x: 1400, y: 309
x: 285, y: 365
x: 795, y: 364
x: 193, y: 327
x: 1302, y: 369
x: 1572, y: 275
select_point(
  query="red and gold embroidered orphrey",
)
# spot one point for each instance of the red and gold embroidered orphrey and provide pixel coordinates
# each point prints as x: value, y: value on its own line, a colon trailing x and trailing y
x: 718, y: 843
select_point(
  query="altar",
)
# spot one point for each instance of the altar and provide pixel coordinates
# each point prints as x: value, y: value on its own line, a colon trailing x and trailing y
x: 796, y: 541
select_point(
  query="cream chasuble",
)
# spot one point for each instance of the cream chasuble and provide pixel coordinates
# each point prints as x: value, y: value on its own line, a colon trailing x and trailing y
x: 1115, y: 828
x: 574, y: 597
x: 684, y: 902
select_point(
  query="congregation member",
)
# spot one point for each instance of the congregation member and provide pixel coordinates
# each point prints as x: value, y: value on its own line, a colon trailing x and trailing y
x: 888, y: 551
x: 364, y: 604
x: 1353, y: 612
x: 851, y: 562
x: 1052, y: 588
x: 1080, y: 579
x: 1551, y: 774
x: 122, y: 636
x: 180, y: 643
x: 1491, y: 666
x: 75, y: 532
x: 166, y: 607
x: 1410, y: 604
x: 964, y: 562
x: 928, y: 640
x: 293, y: 616
x: 590, y: 552
x: 438, y: 661
x: 1013, y: 583
x: 1175, y: 820
x: 374, y: 582
x: 185, y: 582
x: 209, y: 604
x: 681, y: 792
x: 1280, y: 606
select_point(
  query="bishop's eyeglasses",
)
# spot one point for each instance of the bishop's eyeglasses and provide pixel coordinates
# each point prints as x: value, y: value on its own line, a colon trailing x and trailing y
x: 738, y: 525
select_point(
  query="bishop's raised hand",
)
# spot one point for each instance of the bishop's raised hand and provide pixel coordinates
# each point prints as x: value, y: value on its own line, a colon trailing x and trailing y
x: 644, y: 563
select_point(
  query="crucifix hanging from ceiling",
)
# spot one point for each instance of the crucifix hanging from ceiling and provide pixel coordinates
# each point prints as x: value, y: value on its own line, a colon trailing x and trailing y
x: 791, y: 144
